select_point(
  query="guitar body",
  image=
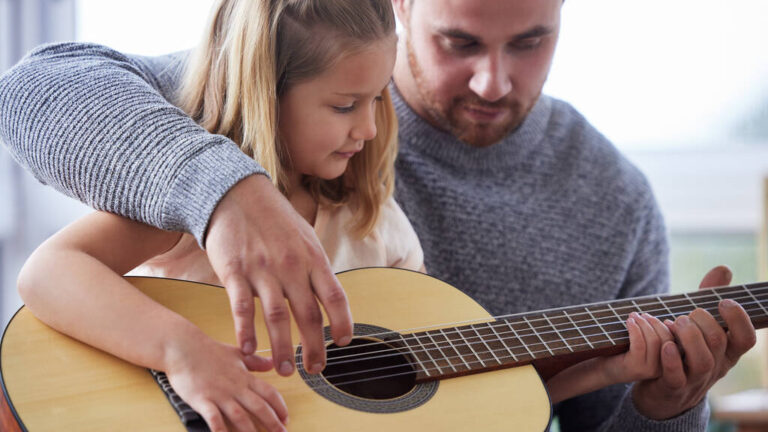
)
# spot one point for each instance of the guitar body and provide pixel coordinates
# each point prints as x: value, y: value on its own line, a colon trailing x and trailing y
x: 53, y: 382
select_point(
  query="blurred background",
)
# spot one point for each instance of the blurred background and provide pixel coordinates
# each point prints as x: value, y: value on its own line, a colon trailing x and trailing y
x: 680, y: 87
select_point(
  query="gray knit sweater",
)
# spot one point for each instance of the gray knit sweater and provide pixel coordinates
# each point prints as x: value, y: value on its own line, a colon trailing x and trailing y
x: 551, y: 216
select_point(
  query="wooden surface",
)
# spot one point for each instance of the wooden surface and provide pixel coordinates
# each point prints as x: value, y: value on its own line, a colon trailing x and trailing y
x: 56, y: 383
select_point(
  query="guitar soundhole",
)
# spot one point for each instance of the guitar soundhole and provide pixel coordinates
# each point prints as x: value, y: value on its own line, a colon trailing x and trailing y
x: 369, y: 369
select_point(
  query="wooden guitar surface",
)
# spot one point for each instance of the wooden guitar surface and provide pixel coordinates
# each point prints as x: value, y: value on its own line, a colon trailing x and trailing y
x: 52, y: 382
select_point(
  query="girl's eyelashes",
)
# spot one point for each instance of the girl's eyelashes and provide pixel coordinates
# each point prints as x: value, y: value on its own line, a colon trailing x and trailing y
x: 344, y: 109
x: 351, y: 107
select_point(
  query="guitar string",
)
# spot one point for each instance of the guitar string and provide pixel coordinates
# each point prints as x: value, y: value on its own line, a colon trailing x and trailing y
x: 437, y: 367
x: 716, y: 299
x: 447, y: 343
x: 502, y: 350
x: 682, y: 309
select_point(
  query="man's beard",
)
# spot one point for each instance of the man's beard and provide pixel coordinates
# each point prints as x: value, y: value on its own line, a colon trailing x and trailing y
x: 449, y: 117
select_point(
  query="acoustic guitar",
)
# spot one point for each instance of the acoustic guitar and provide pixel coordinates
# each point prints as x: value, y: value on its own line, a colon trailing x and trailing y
x: 421, y: 360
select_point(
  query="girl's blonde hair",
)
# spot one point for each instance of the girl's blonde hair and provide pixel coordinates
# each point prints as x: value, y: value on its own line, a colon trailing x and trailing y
x: 254, y: 51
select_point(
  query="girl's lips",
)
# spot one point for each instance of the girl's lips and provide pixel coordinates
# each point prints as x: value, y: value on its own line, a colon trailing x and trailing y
x: 347, y: 154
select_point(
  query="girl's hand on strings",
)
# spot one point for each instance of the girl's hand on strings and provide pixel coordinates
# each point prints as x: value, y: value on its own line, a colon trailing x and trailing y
x: 214, y: 379
x: 259, y: 245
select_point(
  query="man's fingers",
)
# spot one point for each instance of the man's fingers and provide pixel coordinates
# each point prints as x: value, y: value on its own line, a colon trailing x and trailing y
x: 241, y: 302
x: 698, y: 357
x: 278, y: 321
x: 309, y: 319
x: 334, y: 300
x: 713, y: 334
x: 718, y: 276
x: 741, y: 332
x: 673, y: 375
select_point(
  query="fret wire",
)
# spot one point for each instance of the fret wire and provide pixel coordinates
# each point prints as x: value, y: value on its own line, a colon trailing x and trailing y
x: 762, y: 288
x: 714, y: 293
x: 493, y: 329
x: 538, y: 335
x: 414, y: 354
x: 509, y: 324
x: 639, y: 309
x: 418, y: 339
x: 472, y: 348
x: 621, y: 321
x: 557, y: 331
x: 624, y: 337
x: 610, y: 339
x: 578, y: 328
x: 484, y: 343
x: 690, y: 300
x: 671, y: 314
x: 461, y: 356
x: 756, y: 300
x: 440, y: 349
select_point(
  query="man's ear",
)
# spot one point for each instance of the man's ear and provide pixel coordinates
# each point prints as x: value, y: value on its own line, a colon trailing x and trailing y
x: 402, y: 10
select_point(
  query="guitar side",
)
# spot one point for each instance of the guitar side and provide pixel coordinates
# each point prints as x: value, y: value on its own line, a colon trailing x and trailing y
x: 56, y: 383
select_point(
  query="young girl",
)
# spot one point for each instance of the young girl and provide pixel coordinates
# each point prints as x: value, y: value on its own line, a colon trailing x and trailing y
x: 301, y: 86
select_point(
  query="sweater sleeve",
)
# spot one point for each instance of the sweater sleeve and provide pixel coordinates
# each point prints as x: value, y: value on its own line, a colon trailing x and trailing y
x: 612, y: 408
x: 98, y: 126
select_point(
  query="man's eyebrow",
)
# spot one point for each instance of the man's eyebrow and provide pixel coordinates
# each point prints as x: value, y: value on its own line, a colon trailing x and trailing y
x: 536, y: 31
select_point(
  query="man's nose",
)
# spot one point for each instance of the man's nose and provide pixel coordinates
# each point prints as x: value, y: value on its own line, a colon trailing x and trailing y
x: 491, y: 79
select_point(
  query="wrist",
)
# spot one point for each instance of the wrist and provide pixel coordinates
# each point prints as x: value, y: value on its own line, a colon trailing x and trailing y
x: 184, y: 338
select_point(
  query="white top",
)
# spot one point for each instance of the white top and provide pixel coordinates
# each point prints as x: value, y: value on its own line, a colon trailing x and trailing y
x: 391, y: 243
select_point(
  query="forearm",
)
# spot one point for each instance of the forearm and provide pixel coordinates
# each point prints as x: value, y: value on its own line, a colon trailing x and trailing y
x: 81, y: 297
x: 579, y: 379
x: 93, y: 123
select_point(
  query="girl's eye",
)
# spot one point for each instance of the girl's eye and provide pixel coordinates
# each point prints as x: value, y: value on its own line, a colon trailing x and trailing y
x: 344, y: 109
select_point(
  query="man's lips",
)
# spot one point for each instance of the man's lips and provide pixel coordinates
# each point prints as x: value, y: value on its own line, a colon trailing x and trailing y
x: 482, y: 113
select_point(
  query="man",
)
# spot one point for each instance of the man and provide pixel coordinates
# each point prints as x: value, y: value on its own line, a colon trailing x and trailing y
x: 518, y: 201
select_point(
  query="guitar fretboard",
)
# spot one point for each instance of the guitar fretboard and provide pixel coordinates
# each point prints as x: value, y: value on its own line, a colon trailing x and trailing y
x: 523, y: 338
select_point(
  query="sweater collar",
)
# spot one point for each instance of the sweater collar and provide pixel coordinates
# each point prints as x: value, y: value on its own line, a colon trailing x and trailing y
x: 418, y: 135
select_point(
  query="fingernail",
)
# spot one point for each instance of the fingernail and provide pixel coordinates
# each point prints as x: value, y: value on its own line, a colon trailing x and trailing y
x: 345, y: 340
x: 317, y: 368
x: 286, y: 368
x: 683, y: 320
x: 669, y: 322
x: 729, y: 303
x: 248, y: 347
x: 631, y: 321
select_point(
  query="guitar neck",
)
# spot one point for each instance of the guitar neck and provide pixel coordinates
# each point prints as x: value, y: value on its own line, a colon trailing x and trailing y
x: 576, y: 332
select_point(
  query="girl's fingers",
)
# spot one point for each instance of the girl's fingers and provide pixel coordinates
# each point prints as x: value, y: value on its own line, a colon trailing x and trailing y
x: 262, y: 411
x: 212, y: 416
x: 271, y: 396
x: 238, y: 416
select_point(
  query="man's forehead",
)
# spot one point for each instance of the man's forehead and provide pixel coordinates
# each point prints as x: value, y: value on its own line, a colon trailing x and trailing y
x: 488, y: 19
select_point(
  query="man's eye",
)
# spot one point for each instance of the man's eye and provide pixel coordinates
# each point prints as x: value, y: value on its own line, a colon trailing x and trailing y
x: 526, y: 44
x: 462, y: 45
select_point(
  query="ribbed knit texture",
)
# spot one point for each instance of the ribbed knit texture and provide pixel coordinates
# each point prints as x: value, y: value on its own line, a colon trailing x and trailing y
x: 551, y: 216
x: 97, y: 125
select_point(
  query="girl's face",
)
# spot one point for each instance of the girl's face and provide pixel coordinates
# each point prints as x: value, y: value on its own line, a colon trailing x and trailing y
x: 324, y: 122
